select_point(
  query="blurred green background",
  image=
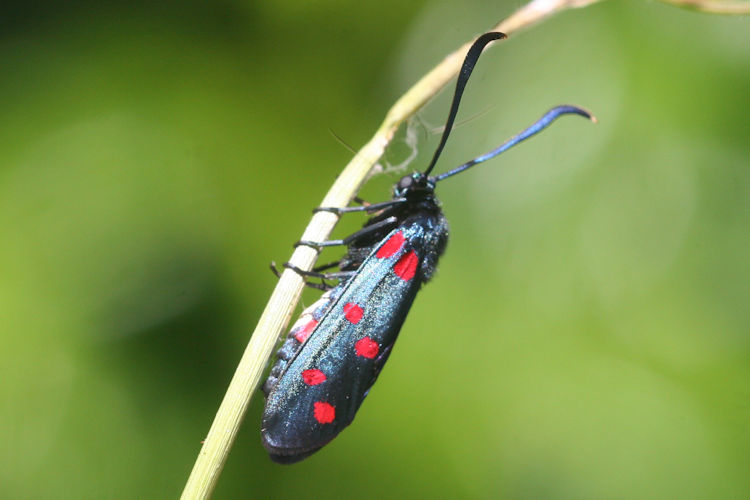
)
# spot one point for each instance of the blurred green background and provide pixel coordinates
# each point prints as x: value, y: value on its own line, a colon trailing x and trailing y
x: 587, y: 335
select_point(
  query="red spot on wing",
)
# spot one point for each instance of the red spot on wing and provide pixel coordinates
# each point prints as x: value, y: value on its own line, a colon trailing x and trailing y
x: 406, y: 267
x: 353, y: 313
x: 367, y: 348
x: 391, y: 246
x: 305, y: 331
x: 313, y: 377
x: 324, y: 412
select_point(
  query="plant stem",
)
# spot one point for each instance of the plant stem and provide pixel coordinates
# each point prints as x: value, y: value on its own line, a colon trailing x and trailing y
x: 221, y: 435
x: 713, y: 6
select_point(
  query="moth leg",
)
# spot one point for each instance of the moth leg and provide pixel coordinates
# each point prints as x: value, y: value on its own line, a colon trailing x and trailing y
x: 352, y: 237
x: 315, y: 274
x: 318, y: 286
x: 366, y: 207
x: 274, y: 270
x: 328, y: 265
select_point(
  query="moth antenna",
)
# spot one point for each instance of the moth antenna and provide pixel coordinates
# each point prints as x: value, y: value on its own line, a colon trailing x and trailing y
x: 461, y: 123
x: 463, y: 77
x: 544, y: 122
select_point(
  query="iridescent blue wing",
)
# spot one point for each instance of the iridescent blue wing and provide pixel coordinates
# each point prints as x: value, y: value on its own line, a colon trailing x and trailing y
x: 324, y: 383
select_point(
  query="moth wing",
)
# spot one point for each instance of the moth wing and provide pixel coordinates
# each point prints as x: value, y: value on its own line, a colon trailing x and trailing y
x: 323, y: 386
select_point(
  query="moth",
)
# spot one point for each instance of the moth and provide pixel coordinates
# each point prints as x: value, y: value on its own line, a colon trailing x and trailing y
x: 336, y: 349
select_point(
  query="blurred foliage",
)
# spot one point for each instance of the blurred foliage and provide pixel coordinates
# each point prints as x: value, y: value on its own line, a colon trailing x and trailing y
x: 586, y: 336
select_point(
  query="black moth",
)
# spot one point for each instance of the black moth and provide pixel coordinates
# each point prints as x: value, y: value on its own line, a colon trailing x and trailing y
x: 336, y: 349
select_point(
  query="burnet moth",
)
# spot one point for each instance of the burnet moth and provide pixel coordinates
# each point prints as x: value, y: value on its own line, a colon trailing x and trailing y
x: 336, y: 349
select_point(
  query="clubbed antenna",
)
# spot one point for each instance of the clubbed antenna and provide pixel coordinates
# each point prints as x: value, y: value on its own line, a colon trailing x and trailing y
x: 544, y: 122
x: 463, y: 76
